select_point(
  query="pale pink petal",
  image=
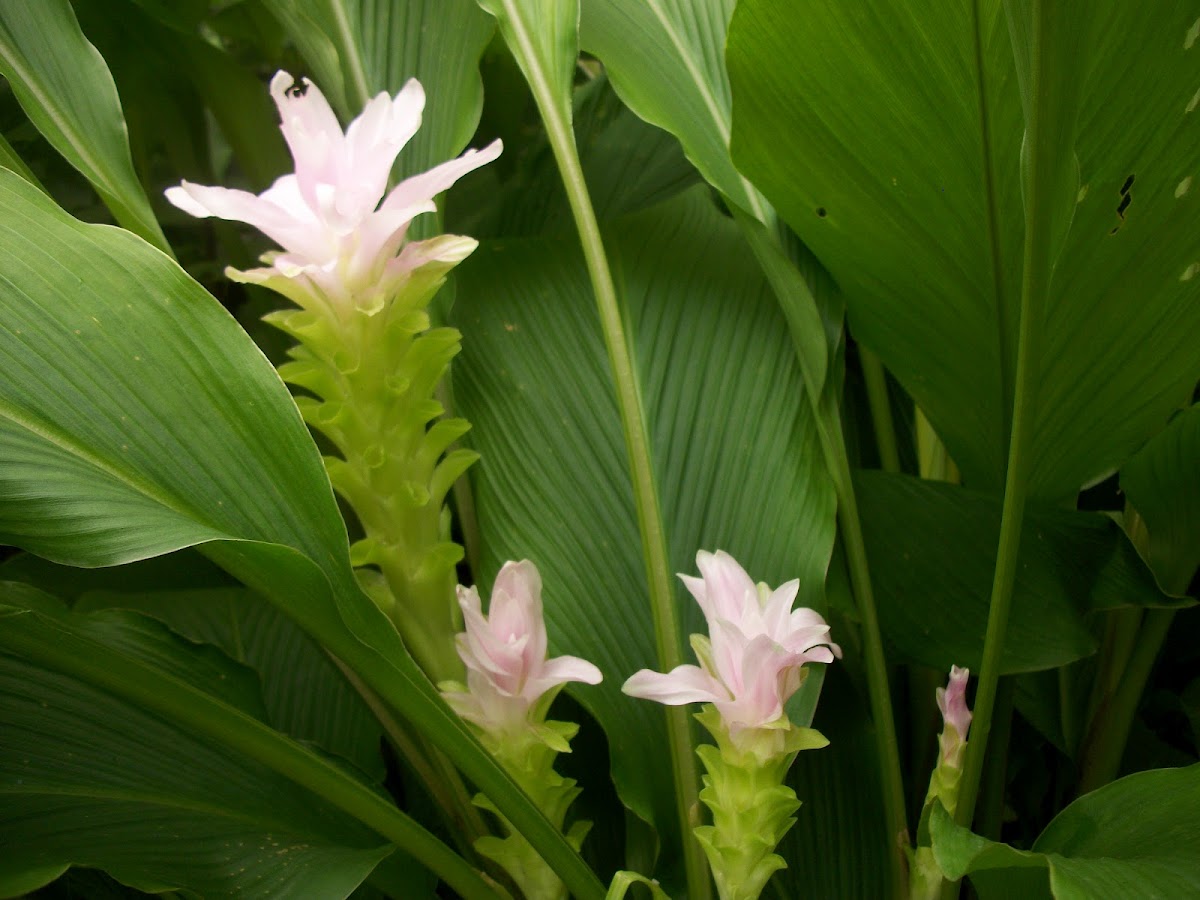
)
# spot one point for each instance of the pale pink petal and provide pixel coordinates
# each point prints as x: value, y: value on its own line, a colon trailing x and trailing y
x: 522, y: 581
x: 373, y: 141
x: 728, y: 586
x: 561, y: 670
x: 698, y: 590
x: 429, y: 184
x: 311, y: 130
x: 952, y: 701
x: 777, y: 610
x: 683, y: 684
x: 242, y: 206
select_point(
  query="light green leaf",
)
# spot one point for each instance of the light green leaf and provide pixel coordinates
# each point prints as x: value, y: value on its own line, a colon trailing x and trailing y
x: 1136, y: 837
x: 665, y: 58
x: 358, y: 48
x: 66, y: 90
x: 736, y: 464
x: 91, y: 779
x: 100, y: 467
x: 937, y: 544
x: 894, y: 153
x: 1162, y: 483
x: 619, y: 887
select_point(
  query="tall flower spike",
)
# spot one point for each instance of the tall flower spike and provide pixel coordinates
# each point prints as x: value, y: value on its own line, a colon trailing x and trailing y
x: 338, y: 240
x: 510, y: 684
x: 751, y: 663
x: 367, y: 358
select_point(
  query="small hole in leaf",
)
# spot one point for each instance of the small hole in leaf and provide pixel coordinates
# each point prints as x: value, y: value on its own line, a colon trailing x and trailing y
x: 1125, y: 201
x: 1127, y: 185
x: 821, y: 212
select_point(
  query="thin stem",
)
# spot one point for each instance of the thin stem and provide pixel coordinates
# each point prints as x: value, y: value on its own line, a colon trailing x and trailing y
x: 555, y: 115
x: 1034, y: 284
x: 887, y: 747
x: 439, y: 777
x: 1105, y: 744
x: 991, y: 803
x: 881, y: 408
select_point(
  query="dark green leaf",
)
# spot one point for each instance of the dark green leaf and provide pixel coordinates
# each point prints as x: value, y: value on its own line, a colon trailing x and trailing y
x: 91, y: 779
x: 1162, y: 483
x: 894, y: 150
x: 935, y: 545
x: 66, y: 90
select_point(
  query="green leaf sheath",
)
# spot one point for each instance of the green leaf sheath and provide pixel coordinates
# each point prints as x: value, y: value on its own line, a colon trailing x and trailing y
x: 65, y: 88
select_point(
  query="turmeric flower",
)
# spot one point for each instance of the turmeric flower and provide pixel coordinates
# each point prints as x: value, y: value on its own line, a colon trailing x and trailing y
x: 750, y: 663
x: 508, y: 675
x: 337, y: 238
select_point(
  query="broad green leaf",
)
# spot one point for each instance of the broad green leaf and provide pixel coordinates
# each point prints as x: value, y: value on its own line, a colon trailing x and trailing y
x: 100, y: 467
x: 1162, y: 482
x: 736, y: 464
x: 665, y: 58
x: 894, y: 152
x: 1136, y: 837
x: 357, y: 48
x: 91, y: 779
x: 305, y: 695
x: 66, y: 90
x: 937, y: 545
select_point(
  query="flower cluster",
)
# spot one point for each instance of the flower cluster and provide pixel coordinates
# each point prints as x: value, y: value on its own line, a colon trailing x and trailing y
x: 750, y: 662
x: 956, y: 717
x: 338, y: 240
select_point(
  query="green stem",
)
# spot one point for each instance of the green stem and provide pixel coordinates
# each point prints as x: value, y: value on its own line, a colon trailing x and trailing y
x: 991, y: 804
x: 555, y: 113
x: 887, y: 748
x: 176, y: 701
x: 443, y: 782
x: 881, y: 408
x: 1105, y: 744
x: 1034, y: 285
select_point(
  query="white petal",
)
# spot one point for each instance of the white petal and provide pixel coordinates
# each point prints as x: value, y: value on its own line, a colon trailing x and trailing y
x: 683, y: 684
x: 429, y: 184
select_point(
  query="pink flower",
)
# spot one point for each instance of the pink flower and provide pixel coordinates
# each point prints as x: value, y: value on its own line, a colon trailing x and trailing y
x: 505, y: 654
x: 336, y: 235
x: 750, y: 664
x: 952, y: 701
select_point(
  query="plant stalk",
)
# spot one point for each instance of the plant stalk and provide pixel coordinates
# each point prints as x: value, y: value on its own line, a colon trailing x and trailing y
x: 1105, y: 744
x: 875, y: 379
x: 1034, y: 286
x: 680, y: 737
